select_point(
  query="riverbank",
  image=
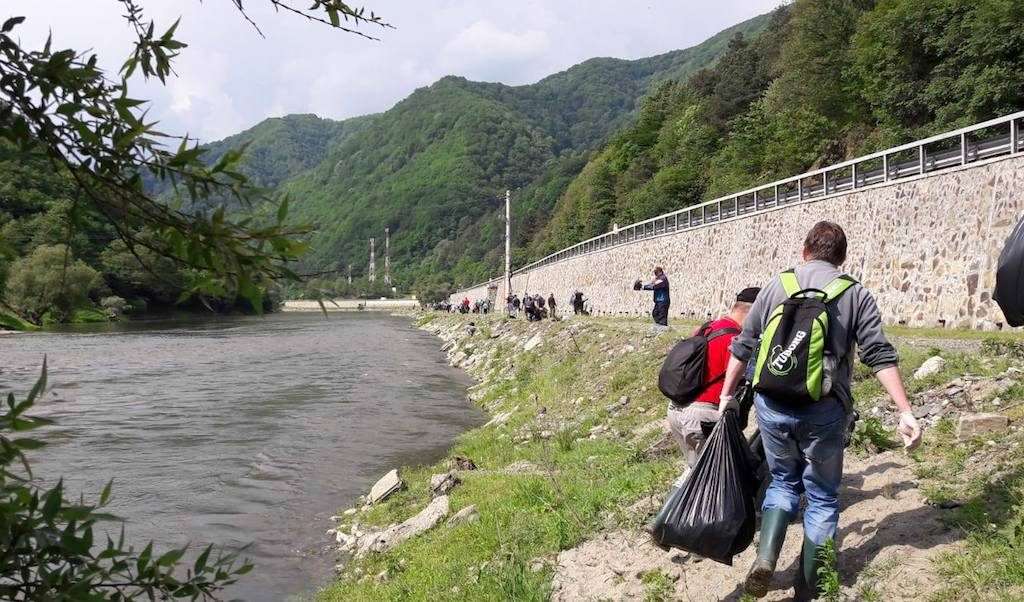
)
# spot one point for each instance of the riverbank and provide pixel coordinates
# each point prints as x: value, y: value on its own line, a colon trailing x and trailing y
x: 575, y: 459
x: 352, y: 305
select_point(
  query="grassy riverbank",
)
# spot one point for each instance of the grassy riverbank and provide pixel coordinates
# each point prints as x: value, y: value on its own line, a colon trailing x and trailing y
x: 577, y: 449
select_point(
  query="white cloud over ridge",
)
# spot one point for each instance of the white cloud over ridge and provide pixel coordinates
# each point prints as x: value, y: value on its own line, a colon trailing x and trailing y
x: 230, y: 78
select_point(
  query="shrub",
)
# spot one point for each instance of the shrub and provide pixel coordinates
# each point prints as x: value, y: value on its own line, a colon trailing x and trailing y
x: 114, y: 305
x: 49, y: 281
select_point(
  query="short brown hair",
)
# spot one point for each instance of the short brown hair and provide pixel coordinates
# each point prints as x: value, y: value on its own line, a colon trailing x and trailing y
x: 826, y: 241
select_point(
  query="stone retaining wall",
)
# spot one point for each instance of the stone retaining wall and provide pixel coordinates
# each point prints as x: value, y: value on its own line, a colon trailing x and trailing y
x: 926, y: 247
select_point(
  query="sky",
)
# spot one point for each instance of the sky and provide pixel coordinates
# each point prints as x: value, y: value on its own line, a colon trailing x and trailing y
x: 230, y: 78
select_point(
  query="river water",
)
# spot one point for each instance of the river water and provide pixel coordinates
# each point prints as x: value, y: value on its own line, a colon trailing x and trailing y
x: 241, y: 430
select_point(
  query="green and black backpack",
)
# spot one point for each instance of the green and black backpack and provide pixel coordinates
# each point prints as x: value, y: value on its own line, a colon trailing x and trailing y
x: 791, y: 360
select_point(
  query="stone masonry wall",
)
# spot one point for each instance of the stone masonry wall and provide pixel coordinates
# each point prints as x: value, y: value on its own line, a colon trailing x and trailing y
x: 926, y: 247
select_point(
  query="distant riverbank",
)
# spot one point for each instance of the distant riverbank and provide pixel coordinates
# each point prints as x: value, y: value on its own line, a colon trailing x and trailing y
x: 352, y: 305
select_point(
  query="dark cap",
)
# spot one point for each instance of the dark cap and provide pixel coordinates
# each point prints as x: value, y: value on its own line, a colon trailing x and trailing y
x: 748, y: 295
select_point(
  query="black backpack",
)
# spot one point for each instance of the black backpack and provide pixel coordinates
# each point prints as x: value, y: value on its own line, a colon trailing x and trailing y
x: 682, y: 374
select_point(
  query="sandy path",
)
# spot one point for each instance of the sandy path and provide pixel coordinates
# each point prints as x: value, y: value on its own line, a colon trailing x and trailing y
x: 887, y: 537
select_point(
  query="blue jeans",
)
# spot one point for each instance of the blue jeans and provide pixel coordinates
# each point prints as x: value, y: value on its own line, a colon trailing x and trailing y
x: 804, y: 449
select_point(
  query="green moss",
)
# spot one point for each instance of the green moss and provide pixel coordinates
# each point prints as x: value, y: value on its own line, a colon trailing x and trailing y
x: 12, y: 322
x: 89, y: 316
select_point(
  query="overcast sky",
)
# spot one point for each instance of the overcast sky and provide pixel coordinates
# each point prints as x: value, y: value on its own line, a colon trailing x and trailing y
x: 230, y: 78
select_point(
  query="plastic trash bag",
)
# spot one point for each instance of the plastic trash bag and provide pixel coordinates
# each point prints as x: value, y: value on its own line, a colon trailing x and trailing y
x: 1009, y: 291
x: 712, y: 514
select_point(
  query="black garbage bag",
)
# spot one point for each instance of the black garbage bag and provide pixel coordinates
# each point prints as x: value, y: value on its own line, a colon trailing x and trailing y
x: 1009, y: 292
x: 712, y: 514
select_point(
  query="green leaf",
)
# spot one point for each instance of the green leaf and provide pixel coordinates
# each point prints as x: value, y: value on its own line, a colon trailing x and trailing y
x: 200, y: 564
x: 105, y: 494
x: 40, y: 385
x: 282, y: 211
x: 54, y: 499
x: 11, y: 23
x: 143, y: 561
x: 172, y: 557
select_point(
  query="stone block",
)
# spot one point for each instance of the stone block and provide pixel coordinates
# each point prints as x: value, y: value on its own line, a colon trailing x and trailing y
x: 387, y: 485
x: 974, y: 425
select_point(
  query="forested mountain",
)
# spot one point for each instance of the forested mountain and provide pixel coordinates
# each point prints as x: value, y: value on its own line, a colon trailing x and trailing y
x: 434, y: 167
x: 828, y: 81
x: 281, y: 147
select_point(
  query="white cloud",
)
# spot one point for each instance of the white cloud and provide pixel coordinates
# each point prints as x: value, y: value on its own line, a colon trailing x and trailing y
x: 484, y: 51
x: 230, y: 77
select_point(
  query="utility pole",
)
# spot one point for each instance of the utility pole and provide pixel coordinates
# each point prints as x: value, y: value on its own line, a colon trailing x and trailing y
x: 508, y: 243
x: 387, y: 256
x: 371, y: 275
x: 350, y: 274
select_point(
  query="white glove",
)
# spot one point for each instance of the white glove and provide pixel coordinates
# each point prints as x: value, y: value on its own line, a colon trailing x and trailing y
x: 910, y: 430
x: 728, y: 402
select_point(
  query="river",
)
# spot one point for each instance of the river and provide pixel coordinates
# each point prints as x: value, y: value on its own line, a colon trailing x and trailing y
x: 249, y: 430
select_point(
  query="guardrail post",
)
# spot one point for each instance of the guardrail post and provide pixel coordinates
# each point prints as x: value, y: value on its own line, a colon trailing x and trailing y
x: 963, y: 149
x: 1013, y: 136
x: 854, y: 172
x: 800, y: 189
x: 920, y: 159
x: 885, y: 167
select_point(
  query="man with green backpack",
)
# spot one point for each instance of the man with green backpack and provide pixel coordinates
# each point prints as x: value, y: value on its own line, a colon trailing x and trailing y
x: 809, y: 321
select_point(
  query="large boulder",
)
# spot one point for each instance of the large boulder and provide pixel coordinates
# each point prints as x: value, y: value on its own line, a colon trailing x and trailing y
x: 974, y: 425
x: 533, y: 342
x: 387, y: 485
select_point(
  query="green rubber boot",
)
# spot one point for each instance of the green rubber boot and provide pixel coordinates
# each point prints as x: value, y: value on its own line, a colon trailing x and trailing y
x: 773, y: 532
x: 806, y: 586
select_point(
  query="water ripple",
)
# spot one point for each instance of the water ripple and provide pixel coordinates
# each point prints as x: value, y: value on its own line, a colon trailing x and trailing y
x: 243, y: 430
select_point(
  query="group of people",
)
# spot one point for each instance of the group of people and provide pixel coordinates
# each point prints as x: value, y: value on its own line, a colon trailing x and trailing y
x: 480, y: 306
x: 535, y: 306
x: 804, y: 412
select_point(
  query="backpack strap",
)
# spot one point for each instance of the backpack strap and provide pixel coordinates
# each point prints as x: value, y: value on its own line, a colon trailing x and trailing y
x: 714, y: 334
x: 789, y: 282
x: 835, y: 289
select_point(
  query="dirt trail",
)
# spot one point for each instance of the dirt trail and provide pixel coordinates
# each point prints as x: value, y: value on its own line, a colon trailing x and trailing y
x: 887, y: 539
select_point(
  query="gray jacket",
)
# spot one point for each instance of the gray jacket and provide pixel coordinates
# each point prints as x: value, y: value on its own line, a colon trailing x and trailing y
x: 854, y: 322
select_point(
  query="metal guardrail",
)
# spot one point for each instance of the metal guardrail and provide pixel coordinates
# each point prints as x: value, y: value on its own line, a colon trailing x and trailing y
x: 988, y: 140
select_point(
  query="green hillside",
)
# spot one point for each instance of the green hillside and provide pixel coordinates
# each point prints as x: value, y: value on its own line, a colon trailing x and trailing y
x: 433, y: 167
x: 280, y: 147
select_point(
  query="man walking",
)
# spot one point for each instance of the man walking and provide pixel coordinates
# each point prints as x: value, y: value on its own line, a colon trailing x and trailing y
x: 552, y: 307
x: 802, y: 379
x: 685, y: 421
x: 661, y: 297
